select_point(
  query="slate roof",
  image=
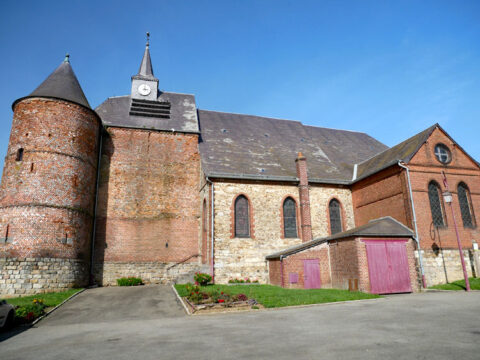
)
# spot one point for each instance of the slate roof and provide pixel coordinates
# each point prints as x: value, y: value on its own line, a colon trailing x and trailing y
x: 403, y: 151
x: 183, y: 114
x: 386, y: 227
x: 60, y: 84
x: 247, y: 146
x: 146, y: 70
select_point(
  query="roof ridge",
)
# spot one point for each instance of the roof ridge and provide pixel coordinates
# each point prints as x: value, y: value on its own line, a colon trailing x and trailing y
x: 400, y: 143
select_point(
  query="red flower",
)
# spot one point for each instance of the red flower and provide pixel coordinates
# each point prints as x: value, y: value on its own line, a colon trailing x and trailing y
x: 221, y: 300
x: 221, y: 293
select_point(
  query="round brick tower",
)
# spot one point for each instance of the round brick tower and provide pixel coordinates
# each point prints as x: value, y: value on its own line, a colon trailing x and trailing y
x: 47, y: 194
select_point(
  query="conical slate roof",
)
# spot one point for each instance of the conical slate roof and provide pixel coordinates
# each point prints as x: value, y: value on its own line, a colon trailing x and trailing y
x: 61, y: 84
x: 146, y: 65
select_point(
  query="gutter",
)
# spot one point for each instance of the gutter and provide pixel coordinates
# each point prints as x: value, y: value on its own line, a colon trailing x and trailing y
x: 212, y: 229
x: 417, y: 239
x: 94, y: 228
x: 277, y: 178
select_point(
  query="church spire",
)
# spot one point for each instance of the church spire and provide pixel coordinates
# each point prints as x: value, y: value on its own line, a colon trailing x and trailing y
x: 144, y: 84
x: 146, y: 69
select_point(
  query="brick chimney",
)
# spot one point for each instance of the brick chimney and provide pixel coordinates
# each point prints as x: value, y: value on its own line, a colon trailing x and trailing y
x: 305, y: 217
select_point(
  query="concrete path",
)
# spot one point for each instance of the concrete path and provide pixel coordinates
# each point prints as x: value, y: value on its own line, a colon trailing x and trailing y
x: 419, y: 326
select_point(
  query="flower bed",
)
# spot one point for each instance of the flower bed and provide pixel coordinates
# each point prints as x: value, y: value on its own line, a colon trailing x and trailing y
x: 213, y: 300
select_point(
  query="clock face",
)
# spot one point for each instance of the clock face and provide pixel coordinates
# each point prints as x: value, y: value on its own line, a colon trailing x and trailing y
x: 144, y: 89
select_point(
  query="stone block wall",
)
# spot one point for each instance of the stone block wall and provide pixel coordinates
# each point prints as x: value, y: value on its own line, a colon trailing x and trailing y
x: 150, y: 272
x: 245, y: 257
x: 444, y: 266
x: 27, y: 276
x: 320, y: 197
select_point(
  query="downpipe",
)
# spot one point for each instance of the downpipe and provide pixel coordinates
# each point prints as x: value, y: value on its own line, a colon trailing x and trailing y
x: 416, y: 238
x: 212, y: 230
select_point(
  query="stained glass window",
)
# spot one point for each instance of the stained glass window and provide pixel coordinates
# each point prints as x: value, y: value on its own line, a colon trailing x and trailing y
x: 465, y: 205
x: 435, y: 205
x: 289, y: 218
x: 335, y: 217
x: 242, y: 220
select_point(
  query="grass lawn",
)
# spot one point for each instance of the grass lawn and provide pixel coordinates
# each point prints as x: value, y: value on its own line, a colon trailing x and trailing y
x: 459, y: 285
x: 49, y: 299
x: 273, y: 296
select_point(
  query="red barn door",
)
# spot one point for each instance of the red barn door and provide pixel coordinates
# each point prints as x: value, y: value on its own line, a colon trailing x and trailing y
x: 388, y: 266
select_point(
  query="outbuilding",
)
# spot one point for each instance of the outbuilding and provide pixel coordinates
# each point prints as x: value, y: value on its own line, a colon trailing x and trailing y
x: 377, y: 257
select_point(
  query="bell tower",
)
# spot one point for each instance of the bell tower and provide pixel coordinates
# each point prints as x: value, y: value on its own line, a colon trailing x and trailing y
x: 145, y: 84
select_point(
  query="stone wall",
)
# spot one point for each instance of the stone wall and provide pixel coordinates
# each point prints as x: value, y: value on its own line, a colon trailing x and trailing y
x: 320, y: 197
x: 245, y: 257
x: 107, y: 273
x: 27, y: 276
x: 444, y: 266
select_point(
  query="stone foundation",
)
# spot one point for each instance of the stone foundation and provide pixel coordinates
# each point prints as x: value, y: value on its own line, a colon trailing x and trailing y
x: 445, y: 266
x: 28, y: 276
x: 107, y: 273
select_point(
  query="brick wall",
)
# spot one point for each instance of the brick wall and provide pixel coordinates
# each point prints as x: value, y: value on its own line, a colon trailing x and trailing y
x: 149, y: 205
x: 349, y: 262
x: 382, y: 194
x: 294, y: 264
x: 47, y: 198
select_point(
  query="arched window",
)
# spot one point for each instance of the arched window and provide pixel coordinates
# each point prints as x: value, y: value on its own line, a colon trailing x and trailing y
x: 289, y: 218
x: 435, y: 204
x: 19, y: 155
x: 242, y: 217
x: 465, y: 205
x: 334, y: 210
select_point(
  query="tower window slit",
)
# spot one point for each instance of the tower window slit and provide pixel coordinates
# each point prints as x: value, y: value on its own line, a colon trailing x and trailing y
x: 19, y: 155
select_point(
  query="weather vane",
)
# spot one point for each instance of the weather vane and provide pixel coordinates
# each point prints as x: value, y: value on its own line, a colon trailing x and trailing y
x: 148, y: 38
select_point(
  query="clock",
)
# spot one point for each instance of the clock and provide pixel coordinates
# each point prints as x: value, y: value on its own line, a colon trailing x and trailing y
x: 144, y: 89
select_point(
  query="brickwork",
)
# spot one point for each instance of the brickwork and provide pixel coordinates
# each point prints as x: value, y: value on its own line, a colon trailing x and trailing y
x: 293, y: 264
x: 349, y: 263
x: 305, y: 214
x: 149, y: 205
x: 27, y: 276
x: 47, y: 198
x: 382, y: 194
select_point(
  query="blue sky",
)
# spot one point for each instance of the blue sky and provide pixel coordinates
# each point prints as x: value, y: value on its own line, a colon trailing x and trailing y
x: 387, y: 68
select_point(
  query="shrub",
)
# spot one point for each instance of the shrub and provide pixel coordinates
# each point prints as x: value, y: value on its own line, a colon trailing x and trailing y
x: 28, y: 313
x: 129, y: 281
x: 202, y: 278
x: 240, y: 297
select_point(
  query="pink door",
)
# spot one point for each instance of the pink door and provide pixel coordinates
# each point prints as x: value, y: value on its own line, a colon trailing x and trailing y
x: 311, y: 274
x: 388, y: 266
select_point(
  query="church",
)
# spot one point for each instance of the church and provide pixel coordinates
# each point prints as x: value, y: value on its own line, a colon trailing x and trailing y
x: 149, y: 185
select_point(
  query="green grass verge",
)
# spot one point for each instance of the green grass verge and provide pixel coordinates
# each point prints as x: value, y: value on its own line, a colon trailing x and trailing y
x: 49, y: 299
x: 459, y: 285
x: 273, y: 296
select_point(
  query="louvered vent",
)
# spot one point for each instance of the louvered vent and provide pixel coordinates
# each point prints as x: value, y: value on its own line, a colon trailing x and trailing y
x: 150, y: 108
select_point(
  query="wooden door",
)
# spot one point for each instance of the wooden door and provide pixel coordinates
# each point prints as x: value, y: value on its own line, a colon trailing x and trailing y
x: 388, y: 266
x: 311, y: 274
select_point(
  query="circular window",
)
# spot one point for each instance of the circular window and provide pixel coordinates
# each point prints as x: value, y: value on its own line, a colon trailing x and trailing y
x: 442, y: 154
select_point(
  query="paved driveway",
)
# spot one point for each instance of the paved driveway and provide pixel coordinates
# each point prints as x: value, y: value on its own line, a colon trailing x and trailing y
x: 418, y: 326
